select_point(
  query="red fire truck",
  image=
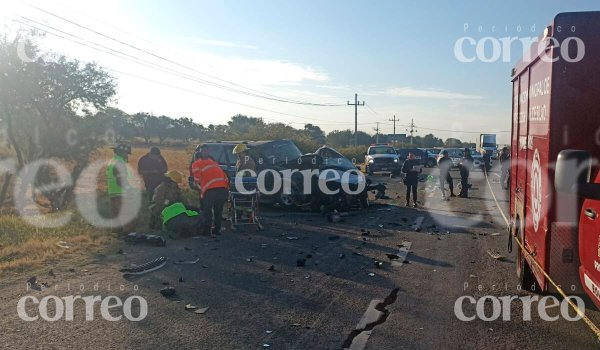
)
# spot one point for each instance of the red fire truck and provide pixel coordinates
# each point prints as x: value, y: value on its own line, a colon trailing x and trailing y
x: 555, y: 182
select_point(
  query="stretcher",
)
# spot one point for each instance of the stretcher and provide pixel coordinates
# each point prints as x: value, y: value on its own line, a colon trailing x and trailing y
x: 243, y: 205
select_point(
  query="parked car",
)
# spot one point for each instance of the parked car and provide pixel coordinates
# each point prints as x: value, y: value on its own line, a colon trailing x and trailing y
x: 457, y: 154
x: 421, y: 155
x: 382, y: 157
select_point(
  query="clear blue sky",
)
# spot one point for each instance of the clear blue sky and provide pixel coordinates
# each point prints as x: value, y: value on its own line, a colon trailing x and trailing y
x: 397, y: 55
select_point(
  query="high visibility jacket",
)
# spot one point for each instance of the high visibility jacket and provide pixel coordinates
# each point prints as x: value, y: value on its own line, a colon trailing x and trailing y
x: 208, y: 175
x: 111, y: 177
x: 174, y: 210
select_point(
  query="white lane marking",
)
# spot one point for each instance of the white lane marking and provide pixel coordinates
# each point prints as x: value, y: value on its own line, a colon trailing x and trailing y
x: 370, y: 316
x: 402, y: 253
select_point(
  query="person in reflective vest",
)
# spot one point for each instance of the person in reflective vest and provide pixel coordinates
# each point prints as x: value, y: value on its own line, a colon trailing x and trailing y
x: 119, y: 184
x: 214, y: 189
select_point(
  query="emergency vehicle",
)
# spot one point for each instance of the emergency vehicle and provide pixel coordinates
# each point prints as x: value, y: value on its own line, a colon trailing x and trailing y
x: 555, y: 183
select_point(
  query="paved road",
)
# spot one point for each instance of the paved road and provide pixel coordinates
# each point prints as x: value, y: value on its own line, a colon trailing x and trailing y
x: 257, y: 297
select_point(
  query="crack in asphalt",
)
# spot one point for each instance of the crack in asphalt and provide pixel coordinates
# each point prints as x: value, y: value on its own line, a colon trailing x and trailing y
x: 381, y: 307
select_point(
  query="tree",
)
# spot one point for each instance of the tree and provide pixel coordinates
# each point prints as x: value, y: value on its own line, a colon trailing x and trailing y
x: 453, y: 143
x: 315, y: 133
x: 47, y: 108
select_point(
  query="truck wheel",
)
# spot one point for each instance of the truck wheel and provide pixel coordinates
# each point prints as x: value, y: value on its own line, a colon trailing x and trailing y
x: 430, y: 163
x: 524, y: 274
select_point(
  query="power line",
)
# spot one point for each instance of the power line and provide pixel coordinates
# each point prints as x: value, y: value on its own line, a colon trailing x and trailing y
x: 165, y: 84
x: 266, y: 95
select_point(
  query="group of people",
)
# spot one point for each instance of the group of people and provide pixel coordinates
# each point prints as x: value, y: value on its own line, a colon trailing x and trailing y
x: 412, y: 169
x: 168, y: 208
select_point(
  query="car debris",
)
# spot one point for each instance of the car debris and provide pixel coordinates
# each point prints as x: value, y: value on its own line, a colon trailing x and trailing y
x: 168, y: 292
x: 190, y: 307
x: 32, y: 283
x: 187, y: 262
x: 271, y: 268
x: 371, y: 274
x: 495, y: 254
x: 150, y: 266
x: 141, y: 238
x: 201, y: 311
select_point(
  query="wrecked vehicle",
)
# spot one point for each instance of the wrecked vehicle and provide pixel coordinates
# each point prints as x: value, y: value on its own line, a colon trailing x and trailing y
x: 283, y: 159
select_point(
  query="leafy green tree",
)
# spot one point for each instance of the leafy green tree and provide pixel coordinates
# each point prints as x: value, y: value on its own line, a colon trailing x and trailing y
x: 47, y: 108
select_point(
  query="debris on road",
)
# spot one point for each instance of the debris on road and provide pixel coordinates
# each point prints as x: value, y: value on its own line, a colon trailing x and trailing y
x: 495, y: 234
x: 201, y: 311
x: 190, y: 307
x: 271, y: 268
x: 32, y: 283
x: 371, y: 274
x: 187, y: 262
x: 378, y: 264
x: 417, y: 225
x: 495, y: 254
x: 292, y: 238
x: 137, y: 238
x: 300, y: 262
x: 150, y: 266
x: 168, y: 292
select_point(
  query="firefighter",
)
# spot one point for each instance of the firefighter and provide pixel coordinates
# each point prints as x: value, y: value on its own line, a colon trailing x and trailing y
x: 214, y: 189
x: 244, y: 160
x: 445, y: 164
x: 165, y: 194
x: 505, y: 168
x: 411, y: 169
x: 465, y: 168
x: 119, y: 184
x: 182, y: 221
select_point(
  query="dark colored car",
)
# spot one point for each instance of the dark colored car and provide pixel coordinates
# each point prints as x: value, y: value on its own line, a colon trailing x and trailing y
x: 222, y: 153
x: 422, y: 156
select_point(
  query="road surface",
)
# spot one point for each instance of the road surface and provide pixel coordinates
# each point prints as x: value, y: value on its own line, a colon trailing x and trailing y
x: 257, y: 297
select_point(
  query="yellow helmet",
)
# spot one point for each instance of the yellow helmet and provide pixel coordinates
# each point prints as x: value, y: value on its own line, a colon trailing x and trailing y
x: 239, y: 148
x: 174, y: 175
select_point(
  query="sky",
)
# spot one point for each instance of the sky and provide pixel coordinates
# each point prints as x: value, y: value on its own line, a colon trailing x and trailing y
x: 208, y: 60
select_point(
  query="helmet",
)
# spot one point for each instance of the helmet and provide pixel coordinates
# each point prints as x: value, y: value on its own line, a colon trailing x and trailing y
x: 122, y: 148
x: 174, y: 175
x: 240, y: 148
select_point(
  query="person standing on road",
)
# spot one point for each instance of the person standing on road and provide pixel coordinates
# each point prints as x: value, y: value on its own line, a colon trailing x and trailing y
x: 505, y: 168
x: 214, y: 189
x: 411, y: 169
x: 445, y: 164
x: 152, y: 167
x: 465, y: 169
x: 487, y: 160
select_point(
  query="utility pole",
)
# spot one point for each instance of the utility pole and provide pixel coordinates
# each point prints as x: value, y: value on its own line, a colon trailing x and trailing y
x: 377, y: 133
x: 356, y: 104
x: 411, y: 130
x: 394, y: 120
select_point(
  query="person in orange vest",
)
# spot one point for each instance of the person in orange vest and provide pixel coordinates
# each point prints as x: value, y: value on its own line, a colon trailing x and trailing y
x: 214, y: 189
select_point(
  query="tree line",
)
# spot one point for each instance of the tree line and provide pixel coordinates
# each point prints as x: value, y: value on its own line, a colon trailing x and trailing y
x: 55, y: 107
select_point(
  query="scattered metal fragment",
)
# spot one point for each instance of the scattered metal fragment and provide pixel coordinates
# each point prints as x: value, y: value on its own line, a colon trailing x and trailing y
x: 168, y: 292
x: 187, y: 262
x: 150, y: 266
